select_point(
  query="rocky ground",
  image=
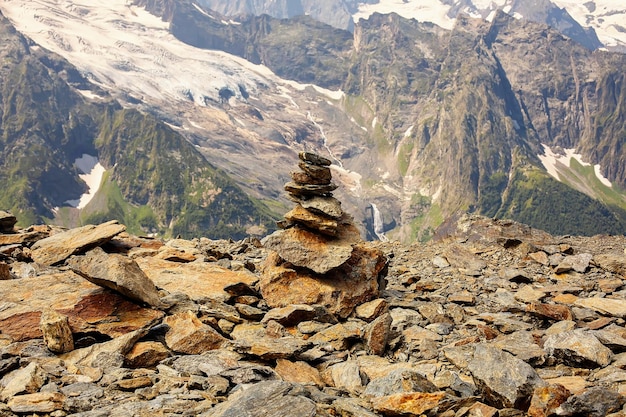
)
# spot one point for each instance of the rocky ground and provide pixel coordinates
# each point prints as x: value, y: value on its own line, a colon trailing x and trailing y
x: 491, y: 319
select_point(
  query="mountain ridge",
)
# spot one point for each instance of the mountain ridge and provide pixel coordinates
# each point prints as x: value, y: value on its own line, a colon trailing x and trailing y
x: 470, y: 86
x: 47, y: 125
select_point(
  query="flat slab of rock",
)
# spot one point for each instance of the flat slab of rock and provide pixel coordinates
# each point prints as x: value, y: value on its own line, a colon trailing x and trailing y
x: 329, y: 206
x: 89, y: 308
x: 310, y: 189
x: 309, y: 250
x: 196, y: 279
x: 118, y: 273
x: 322, y: 224
x: 60, y: 246
x: 609, y: 306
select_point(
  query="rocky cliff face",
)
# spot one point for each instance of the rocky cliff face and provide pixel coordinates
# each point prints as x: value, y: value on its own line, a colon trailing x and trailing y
x: 455, y: 115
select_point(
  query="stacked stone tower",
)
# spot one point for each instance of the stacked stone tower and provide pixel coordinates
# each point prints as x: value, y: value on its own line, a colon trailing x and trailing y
x: 311, y: 189
x: 318, y: 257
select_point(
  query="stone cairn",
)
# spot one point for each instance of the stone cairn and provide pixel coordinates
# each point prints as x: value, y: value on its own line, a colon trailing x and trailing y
x: 318, y: 256
x: 311, y: 189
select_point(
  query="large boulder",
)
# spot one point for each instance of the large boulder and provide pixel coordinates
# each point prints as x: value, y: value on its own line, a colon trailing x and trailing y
x: 341, y: 289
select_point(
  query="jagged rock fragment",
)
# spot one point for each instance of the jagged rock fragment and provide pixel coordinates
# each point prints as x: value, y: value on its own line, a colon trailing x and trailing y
x: 408, y: 404
x: 21, y: 381
x: 578, y: 348
x: 7, y: 221
x: 187, y: 334
x: 376, y: 334
x: 298, y: 372
x: 100, y: 355
x: 118, y: 273
x: 595, y: 402
x: 58, y: 247
x: 291, y: 315
x: 399, y: 381
x: 254, y: 340
x: 5, y: 272
x: 145, y: 355
x: 504, y: 380
x: 270, y: 398
x: 547, y: 399
x: 372, y: 309
x: 56, y: 331
x: 347, y: 376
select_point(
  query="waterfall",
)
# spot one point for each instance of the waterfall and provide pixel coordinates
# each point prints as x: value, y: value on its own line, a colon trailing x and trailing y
x: 379, y: 228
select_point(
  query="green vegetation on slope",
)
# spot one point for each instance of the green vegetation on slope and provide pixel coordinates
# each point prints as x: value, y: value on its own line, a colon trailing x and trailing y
x: 536, y: 199
x: 155, y: 167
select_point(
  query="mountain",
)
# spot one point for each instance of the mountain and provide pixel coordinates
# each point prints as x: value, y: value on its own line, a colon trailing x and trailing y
x: 421, y: 122
x: 155, y: 179
x: 595, y: 24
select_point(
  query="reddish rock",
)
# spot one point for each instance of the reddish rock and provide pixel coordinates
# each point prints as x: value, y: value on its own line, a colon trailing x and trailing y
x: 298, y: 372
x: 551, y: 311
x: 546, y: 400
x: 187, y: 334
x: 146, y: 355
x: 5, y: 272
x: 88, y: 307
x: 340, y: 290
x: 377, y: 334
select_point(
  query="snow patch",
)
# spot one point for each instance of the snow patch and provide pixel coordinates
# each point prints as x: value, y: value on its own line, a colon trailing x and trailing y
x: 408, y: 132
x: 90, y: 94
x: 198, y: 8
x: 552, y: 160
x: 92, y: 173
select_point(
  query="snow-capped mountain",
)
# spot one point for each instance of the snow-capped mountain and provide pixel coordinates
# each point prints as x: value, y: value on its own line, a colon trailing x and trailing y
x: 577, y: 19
x: 606, y: 17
